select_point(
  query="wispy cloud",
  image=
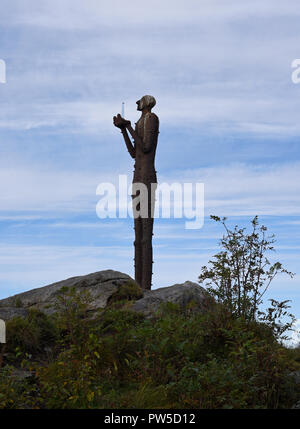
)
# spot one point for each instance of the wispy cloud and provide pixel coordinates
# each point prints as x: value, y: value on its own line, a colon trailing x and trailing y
x: 221, y: 73
x: 205, y: 56
x: 70, y: 14
x: 237, y: 189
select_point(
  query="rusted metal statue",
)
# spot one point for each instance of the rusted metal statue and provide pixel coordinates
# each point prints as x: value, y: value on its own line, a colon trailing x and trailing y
x: 143, y: 151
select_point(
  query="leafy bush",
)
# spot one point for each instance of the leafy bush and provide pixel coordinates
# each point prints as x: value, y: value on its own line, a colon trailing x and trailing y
x: 129, y: 291
x: 32, y: 334
x: 240, y: 275
x: 72, y: 380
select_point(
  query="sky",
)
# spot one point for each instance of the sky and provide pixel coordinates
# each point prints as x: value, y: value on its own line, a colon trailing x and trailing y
x: 229, y: 118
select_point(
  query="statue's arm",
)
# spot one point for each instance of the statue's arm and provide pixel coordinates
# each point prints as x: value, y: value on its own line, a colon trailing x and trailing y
x: 134, y: 135
x: 121, y: 123
x: 129, y: 145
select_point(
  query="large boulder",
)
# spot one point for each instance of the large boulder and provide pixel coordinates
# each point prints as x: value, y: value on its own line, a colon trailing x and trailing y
x: 181, y: 294
x: 101, y: 286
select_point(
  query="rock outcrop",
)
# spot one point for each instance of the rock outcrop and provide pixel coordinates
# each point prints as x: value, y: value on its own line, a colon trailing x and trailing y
x: 181, y: 294
x: 102, y: 286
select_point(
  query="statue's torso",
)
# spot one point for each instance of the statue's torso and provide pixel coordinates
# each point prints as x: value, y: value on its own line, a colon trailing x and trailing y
x: 144, y: 171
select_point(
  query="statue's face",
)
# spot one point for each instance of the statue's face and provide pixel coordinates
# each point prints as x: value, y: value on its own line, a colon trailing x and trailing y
x: 139, y: 104
x: 143, y: 103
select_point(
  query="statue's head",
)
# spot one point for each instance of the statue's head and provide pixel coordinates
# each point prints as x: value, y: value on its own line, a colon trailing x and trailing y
x: 146, y: 102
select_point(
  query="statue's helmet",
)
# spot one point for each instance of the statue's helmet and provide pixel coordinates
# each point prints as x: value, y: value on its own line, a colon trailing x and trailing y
x: 147, y: 101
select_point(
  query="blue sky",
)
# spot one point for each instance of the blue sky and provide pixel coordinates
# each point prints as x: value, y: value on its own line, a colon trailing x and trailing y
x: 229, y: 114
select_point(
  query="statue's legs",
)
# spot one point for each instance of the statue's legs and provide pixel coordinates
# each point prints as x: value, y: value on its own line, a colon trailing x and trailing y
x: 138, y: 230
x: 147, y: 231
x: 138, y: 268
x: 143, y: 252
x: 147, y: 252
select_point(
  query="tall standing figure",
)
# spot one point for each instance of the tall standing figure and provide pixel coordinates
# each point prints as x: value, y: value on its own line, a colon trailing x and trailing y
x: 143, y: 150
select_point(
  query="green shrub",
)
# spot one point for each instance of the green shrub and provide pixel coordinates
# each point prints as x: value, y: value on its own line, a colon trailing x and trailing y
x: 129, y: 291
x: 31, y: 334
x: 72, y: 380
x: 241, y: 273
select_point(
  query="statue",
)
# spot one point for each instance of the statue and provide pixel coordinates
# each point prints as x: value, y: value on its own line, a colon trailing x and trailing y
x: 143, y: 151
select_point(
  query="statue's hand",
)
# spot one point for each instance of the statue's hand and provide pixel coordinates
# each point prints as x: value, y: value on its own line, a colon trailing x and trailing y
x: 120, y: 122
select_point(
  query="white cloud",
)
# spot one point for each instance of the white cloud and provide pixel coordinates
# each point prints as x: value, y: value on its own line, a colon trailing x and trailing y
x: 70, y: 14
x: 294, y: 335
x: 39, y: 190
x: 240, y: 189
x: 25, y: 267
x: 83, y: 225
x: 202, y: 59
x: 236, y: 189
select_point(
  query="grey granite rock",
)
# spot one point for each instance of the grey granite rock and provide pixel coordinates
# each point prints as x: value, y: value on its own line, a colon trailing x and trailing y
x: 181, y: 294
x: 7, y: 313
x: 101, y: 286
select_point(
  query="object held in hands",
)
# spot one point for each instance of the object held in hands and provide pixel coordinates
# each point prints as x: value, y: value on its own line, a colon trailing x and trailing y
x: 120, y: 122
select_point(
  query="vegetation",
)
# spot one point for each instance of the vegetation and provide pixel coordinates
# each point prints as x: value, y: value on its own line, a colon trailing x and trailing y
x: 241, y: 273
x: 229, y: 357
